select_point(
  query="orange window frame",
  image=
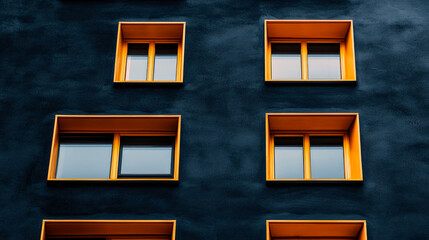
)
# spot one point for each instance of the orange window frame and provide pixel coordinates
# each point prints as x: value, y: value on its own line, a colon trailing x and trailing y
x: 316, y: 229
x: 151, y: 33
x: 312, y: 31
x: 118, y: 125
x: 110, y: 229
x: 315, y: 124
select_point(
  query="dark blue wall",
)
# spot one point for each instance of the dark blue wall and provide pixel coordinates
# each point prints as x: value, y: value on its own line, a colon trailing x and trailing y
x: 57, y: 57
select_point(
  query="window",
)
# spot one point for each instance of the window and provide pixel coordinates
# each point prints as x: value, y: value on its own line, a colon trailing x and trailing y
x: 313, y: 147
x: 316, y: 229
x: 309, y: 50
x: 108, y: 229
x: 158, y: 152
x: 115, y: 148
x: 150, y: 52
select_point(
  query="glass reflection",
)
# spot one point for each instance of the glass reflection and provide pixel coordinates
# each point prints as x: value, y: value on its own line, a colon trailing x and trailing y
x: 327, y: 157
x: 288, y: 155
x: 286, y: 61
x: 84, y: 156
x: 165, y: 62
x: 148, y: 156
x: 137, y: 59
x: 324, y: 61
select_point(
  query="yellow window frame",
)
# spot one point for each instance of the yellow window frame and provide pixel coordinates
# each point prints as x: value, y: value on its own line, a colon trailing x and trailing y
x: 315, y: 124
x: 118, y: 125
x: 312, y: 31
x: 151, y: 33
x: 316, y: 229
x: 110, y: 229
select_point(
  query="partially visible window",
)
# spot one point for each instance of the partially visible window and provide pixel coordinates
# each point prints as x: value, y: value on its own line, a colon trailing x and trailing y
x: 321, y: 147
x: 312, y: 50
x: 108, y: 229
x: 316, y: 229
x: 150, y: 52
x: 115, y: 148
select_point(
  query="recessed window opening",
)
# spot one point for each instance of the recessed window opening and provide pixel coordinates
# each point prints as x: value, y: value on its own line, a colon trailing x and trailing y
x: 313, y: 147
x: 150, y: 52
x: 112, y: 147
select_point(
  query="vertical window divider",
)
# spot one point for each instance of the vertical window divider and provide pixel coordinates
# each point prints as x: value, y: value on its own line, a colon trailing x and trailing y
x: 304, y: 60
x: 346, y: 149
x: 307, y: 161
x: 115, y: 156
x: 150, y: 61
x: 343, y: 59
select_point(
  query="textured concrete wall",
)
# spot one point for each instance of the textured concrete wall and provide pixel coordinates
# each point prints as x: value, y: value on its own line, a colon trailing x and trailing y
x: 57, y: 57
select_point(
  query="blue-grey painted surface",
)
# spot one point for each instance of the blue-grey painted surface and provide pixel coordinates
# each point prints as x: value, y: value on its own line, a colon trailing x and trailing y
x: 57, y: 57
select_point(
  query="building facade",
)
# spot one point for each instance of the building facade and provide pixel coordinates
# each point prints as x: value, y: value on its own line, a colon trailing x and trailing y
x: 60, y: 58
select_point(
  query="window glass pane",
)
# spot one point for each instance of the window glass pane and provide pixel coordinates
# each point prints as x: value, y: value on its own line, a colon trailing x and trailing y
x: 137, y: 62
x: 327, y: 157
x: 288, y: 155
x: 148, y: 156
x: 324, y: 61
x: 165, y: 62
x: 286, y: 61
x: 84, y: 156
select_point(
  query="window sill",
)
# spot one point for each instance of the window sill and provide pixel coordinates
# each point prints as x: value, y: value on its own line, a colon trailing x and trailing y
x: 313, y: 82
x: 116, y: 180
x: 150, y: 82
x: 314, y: 180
